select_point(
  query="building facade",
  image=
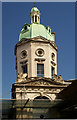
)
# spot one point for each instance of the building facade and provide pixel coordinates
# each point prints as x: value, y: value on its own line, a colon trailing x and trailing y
x: 36, y: 63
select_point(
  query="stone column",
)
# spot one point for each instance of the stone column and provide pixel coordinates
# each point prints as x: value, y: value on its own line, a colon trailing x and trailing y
x: 34, y: 18
x: 37, y: 19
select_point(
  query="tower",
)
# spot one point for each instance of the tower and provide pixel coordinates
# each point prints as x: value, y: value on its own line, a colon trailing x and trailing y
x: 36, y: 62
x: 38, y: 49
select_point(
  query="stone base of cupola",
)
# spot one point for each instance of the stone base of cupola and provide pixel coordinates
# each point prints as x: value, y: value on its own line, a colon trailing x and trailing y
x: 31, y: 88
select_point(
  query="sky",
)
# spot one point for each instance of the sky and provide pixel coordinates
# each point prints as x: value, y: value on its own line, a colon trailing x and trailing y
x: 60, y: 16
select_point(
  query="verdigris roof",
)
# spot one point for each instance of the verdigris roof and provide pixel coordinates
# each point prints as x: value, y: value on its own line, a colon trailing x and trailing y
x: 34, y: 30
x: 35, y: 9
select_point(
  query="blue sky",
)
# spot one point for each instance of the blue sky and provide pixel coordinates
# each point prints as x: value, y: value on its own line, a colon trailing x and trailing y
x: 60, y: 16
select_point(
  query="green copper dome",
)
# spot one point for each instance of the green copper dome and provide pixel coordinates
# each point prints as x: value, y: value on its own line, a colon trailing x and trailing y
x: 34, y: 30
x: 34, y: 9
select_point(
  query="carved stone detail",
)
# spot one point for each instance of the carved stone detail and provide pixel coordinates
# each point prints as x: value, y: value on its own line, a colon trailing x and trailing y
x: 53, y: 63
x: 39, y: 52
x: 39, y: 59
x: 21, y: 77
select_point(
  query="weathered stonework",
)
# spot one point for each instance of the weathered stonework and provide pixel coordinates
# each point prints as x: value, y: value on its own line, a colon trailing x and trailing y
x: 31, y: 88
x: 36, y: 47
x: 32, y: 59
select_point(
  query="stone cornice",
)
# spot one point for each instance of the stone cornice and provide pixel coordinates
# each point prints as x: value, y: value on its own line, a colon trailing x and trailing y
x: 43, y: 79
x: 32, y: 86
x: 36, y: 39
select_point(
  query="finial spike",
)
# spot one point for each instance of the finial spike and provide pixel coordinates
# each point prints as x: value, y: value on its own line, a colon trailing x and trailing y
x: 34, y: 4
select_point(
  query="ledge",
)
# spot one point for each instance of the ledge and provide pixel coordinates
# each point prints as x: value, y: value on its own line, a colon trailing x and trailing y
x: 24, y: 62
x: 40, y: 59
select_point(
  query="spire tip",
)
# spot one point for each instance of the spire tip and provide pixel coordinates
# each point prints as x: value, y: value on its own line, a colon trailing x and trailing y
x: 35, y: 4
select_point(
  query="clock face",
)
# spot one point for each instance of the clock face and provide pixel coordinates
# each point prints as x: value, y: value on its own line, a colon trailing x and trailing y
x: 23, y: 54
x: 39, y: 52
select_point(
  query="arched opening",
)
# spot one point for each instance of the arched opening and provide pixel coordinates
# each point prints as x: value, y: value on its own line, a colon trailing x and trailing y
x: 53, y: 56
x: 41, y: 109
x: 35, y: 18
x: 38, y: 19
x: 41, y: 98
x: 32, y: 18
x: 25, y: 28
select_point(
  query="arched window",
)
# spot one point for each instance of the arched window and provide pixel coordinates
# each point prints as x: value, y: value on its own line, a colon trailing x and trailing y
x: 32, y: 18
x: 35, y: 18
x: 25, y: 28
x: 53, y: 56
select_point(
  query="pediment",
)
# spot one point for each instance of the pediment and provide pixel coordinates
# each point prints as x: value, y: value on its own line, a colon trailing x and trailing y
x: 39, y: 82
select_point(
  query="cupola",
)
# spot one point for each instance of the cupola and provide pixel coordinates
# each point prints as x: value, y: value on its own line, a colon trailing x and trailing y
x: 35, y: 15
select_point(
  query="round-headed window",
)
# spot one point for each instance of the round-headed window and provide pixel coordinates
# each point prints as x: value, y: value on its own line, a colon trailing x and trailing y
x: 39, y: 52
x: 25, y: 27
x: 53, y: 56
x: 23, y: 54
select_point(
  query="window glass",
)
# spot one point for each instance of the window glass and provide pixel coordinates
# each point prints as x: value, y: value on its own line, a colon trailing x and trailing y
x: 52, y: 71
x: 40, y: 70
x: 24, y: 68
